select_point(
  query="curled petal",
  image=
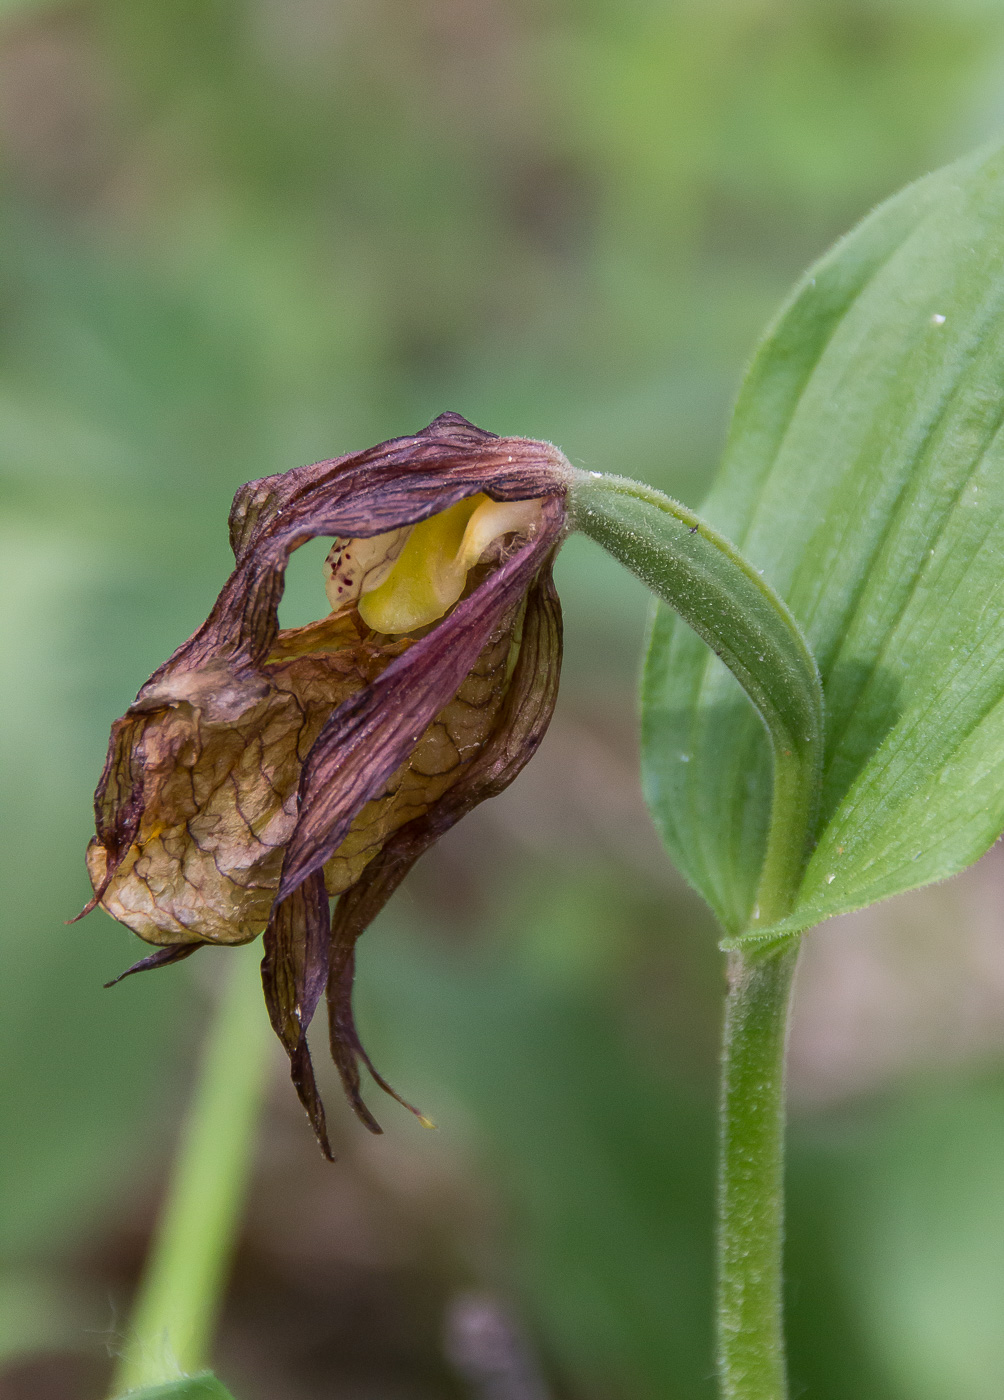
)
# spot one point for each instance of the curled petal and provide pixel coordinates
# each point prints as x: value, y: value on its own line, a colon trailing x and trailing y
x: 294, y: 972
x: 118, y: 804
x: 397, y: 483
x: 160, y: 958
x: 346, y: 1048
x: 529, y: 704
x: 368, y: 738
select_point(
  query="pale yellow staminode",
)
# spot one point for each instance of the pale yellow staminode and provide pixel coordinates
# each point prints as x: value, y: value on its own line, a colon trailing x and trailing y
x: 429, y: 572
x: 353, y: 566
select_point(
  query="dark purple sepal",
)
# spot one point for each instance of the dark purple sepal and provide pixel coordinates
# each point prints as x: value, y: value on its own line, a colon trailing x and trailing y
x: 529, y: 704
x: 364, y: 493
x: 177, y: 952
x: 294, y: 972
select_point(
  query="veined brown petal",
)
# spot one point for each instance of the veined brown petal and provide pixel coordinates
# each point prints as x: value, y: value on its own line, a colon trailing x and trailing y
x: 368, y: 738
x: 297, y: 942
x: 527, y: 710
x: 118, y: 804
x: 217, y: 759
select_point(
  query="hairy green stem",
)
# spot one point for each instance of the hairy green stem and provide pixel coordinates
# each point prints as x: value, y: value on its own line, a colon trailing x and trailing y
x: 751, y: 1363
x: 734, y: 609
x: 179, y: 1298
x: 719, y: 593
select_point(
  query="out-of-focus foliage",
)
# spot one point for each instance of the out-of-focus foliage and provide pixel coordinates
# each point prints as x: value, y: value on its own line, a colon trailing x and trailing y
x: 240, y: 235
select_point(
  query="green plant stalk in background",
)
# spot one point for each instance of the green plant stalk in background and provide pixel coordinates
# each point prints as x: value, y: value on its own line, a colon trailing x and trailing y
x: 178, y: 1303
x: 726, y: 601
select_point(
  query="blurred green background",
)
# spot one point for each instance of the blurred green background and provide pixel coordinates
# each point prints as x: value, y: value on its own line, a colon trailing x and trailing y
x: 240, y: 235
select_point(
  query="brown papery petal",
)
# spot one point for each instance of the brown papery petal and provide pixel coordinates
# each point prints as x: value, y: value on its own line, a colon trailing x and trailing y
x: 118, y: 803
x: 529, y: 704
x: 371, y: 734
x: 220, y: 764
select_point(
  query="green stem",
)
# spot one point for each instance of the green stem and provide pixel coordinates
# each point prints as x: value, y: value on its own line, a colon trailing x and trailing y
x: 727, y: 602
x: 180, y: 1295
x: 688, y: 564
x: 751, y: 1363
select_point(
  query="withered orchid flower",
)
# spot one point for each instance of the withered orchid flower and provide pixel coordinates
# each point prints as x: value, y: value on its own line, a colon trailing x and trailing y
x: 260, y: 772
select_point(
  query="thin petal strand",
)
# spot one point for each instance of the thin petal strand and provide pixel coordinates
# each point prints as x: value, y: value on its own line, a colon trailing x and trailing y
x: 294, y: 972
x: 161, y: 958
x: 346, y: 1047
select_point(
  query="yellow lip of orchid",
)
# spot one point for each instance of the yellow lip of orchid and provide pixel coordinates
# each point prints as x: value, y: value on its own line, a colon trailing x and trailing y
x: 429, y: 573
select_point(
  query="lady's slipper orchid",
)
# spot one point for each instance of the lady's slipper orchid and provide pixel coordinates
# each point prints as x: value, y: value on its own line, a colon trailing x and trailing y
x: 260, y: 771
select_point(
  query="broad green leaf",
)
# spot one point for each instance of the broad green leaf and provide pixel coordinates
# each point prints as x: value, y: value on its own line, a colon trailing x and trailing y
x: 864, y: 474
x: 204, y: 1386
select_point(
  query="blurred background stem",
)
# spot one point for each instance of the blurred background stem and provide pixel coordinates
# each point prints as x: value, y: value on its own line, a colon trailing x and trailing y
x: 179, y: 1297
x: 751, y: 1358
